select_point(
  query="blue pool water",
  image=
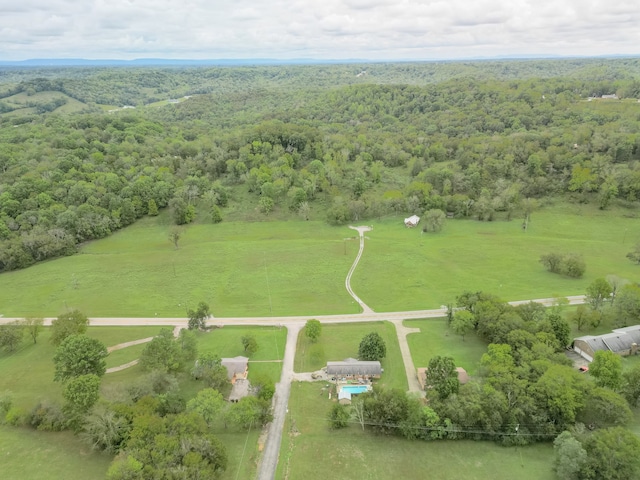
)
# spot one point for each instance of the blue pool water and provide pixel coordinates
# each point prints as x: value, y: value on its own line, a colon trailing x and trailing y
x: 355, y: 388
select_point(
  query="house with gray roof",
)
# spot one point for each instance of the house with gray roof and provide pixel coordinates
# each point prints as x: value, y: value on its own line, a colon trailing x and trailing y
x: 237, y: 368
x: 352, y: 368
x: 622, y: 341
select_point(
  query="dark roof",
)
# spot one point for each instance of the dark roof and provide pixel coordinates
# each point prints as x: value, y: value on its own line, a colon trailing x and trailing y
x: 617, y: 341
x: 351, y: 366
x: 234, y: 365
x: 596, y: 343
x: 632, y: 332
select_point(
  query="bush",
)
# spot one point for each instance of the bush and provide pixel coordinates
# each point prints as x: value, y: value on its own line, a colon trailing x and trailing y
x: 15, y: 417
x: 47, y: 416
x: 6, y: 400
x: 571, y: 265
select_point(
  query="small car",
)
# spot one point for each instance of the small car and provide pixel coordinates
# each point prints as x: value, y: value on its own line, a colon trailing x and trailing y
x: 584, y: 369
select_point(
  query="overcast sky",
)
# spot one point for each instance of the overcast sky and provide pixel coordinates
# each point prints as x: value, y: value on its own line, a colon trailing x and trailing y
x: 323, y: 29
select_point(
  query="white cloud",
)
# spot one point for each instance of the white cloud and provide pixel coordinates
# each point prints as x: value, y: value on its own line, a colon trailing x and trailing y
x: 376, y: 29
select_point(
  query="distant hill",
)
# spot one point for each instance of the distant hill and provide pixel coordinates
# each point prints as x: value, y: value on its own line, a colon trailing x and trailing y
x: 82, y: 62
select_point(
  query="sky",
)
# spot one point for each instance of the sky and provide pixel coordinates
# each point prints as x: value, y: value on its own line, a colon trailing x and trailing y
x: 325, y: 29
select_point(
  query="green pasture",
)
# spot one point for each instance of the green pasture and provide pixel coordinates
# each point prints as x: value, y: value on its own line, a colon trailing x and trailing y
x: 312, y: 451
x: 258, y: 269
x: 340, y: 341
x: 404, y: 269
x: 31, y: 455
x: 435, y: 338
x: 295, y: 267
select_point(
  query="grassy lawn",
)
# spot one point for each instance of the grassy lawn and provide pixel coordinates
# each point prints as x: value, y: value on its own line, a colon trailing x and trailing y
x: 270, y: 370
x: 435, y: 338
x: 28, y: 372
x: 226, y: 342
x: 114, y: 335
x: 124, y: 355
x: 341, y: 341
x: 32, y: 455
x: 296, y: 267
x: 315, y: 452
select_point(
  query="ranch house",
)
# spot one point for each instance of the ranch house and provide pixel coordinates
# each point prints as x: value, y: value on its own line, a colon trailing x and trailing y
x: 622, y: 341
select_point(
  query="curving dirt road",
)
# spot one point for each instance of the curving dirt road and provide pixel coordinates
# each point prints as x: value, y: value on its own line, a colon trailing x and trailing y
x: 347, y: 282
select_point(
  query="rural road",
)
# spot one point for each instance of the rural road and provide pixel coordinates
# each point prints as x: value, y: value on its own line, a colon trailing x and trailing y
x: 269, y: 460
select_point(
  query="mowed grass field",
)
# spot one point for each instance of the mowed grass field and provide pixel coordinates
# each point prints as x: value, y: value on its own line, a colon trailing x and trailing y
x: 257, y: 269
x: 403, y: 269
x: 31, y: 455
x: 298, y: 268
x: 28, y: 372
x: 340, y: 341
x: 435, y: 338
x: 310, y: 450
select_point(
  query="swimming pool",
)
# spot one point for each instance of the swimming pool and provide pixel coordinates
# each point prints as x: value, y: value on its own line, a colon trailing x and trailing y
x: 353, y: 389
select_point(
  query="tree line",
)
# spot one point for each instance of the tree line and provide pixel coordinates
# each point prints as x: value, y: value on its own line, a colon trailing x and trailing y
x: 490, y: 148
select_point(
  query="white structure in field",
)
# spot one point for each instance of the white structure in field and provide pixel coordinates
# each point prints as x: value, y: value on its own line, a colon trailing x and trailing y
x: 412, y: 221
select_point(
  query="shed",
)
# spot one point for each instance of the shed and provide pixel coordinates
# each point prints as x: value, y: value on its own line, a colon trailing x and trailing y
x: 350, y: 367
x: 412, y: 221
x: 237, y: 367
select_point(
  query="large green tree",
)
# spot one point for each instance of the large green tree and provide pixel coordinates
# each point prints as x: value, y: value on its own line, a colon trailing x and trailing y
x: 11, y: 335
x: 250, y: 344
x: 598, y: 292
x: 313, y: 329
x: 442, y: 376
x: 462, y: 323
x: 208, y: 403
x: 612, y: 453
x: 198, y: 317
x: 33, y: 326
x: 570, y: 457
x: 606, y: 368
x: 174, y: 446
x: 71, y: 323
x: 209, y: 369
x: 372, y: 347
x: 82, y: 392
x: 79, y: 355
x: 162, y: 353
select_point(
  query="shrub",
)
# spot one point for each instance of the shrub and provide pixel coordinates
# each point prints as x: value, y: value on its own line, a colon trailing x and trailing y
x: 6, y: 400
x: 571, y: 265
x: 47, y: 416
x: 15, y: 417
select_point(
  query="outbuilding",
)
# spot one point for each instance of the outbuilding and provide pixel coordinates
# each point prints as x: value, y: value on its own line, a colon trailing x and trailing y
x: 412, y: 221
x: 622, y: 341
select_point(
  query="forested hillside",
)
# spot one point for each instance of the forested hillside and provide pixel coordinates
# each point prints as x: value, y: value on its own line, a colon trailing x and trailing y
x: 487, y: 140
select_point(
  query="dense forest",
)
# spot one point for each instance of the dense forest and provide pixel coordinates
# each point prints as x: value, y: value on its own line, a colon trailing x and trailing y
x: 483, y: 140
